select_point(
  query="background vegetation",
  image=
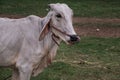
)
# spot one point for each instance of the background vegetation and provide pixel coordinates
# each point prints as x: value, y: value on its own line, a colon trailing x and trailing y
x: 82, y: 8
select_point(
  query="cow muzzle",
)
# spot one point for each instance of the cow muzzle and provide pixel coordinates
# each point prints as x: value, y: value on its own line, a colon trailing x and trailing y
x: 74, y: 38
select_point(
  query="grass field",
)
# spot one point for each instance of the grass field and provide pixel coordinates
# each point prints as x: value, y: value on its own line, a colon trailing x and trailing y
x: 94, y: 58
x: 81, y: 8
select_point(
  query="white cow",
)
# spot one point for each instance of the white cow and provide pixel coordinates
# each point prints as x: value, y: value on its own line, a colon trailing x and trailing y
x: 29, y: 44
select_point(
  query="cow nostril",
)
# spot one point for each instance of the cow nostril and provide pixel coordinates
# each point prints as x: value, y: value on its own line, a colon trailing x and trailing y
x: 74, y: 38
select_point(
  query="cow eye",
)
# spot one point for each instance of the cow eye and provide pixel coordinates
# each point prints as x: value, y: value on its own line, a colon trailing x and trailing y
x: 58, y: 16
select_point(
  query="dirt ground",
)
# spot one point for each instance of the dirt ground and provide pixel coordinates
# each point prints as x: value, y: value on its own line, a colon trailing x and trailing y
x: 96, y: 27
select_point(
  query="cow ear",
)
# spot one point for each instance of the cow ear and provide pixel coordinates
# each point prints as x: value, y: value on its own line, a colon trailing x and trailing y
x: 45, y: 30
x: 51, y: 6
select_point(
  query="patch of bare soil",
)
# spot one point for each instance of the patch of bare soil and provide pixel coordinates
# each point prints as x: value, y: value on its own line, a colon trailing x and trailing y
x: 98, y: 32
x: 97, y: 27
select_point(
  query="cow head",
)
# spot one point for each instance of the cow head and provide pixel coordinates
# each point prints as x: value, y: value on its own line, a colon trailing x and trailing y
x: 59, y: 21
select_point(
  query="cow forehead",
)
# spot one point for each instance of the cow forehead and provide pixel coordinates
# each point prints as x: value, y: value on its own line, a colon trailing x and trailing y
x: 63, y: 8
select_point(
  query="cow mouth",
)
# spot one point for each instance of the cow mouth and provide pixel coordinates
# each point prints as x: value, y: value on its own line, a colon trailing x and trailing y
x: 72, y: 39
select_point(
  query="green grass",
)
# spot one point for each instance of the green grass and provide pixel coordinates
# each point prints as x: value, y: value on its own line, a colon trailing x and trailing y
x: 81, y: 8
x: 5, y: 73
x: 99, y: 49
